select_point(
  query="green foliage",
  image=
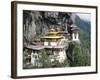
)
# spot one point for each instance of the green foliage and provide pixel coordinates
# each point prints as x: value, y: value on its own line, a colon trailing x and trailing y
x: 56, y: 63
x: 25, y: 54
x: 26, y: 60
x: 78, y: 55
x: 85, y: 39
x: 44, y: 59
x: 46, y: 62
x: 81, y: 54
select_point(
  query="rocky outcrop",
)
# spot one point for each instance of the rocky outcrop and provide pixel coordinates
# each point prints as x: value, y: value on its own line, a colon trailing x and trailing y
x: 36, y: 23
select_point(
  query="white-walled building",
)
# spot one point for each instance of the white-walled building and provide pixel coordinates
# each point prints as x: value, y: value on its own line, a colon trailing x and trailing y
x: 54, y: 41
x: 35, y: 54
x: 75, y: 34
x: 55, y: 44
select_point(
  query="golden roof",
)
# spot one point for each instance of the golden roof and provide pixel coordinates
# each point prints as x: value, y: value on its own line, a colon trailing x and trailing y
x: 52, y: 33
x: 53, y: 37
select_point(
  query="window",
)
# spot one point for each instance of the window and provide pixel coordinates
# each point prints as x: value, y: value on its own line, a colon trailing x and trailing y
x: 35, y: 56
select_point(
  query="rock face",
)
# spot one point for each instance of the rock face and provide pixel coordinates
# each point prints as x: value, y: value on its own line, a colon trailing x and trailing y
x: 36, y: 23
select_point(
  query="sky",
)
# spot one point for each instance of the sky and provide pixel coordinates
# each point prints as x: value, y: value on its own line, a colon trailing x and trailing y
x: 84, y: 16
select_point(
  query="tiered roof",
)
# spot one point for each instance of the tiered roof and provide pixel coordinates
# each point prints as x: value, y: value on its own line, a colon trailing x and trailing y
x: 38, y: 47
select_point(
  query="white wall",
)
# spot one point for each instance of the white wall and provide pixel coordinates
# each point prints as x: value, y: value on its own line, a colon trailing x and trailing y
x: 5, y: 40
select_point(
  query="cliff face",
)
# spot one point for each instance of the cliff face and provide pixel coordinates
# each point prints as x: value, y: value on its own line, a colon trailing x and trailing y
x: 36, y: 23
